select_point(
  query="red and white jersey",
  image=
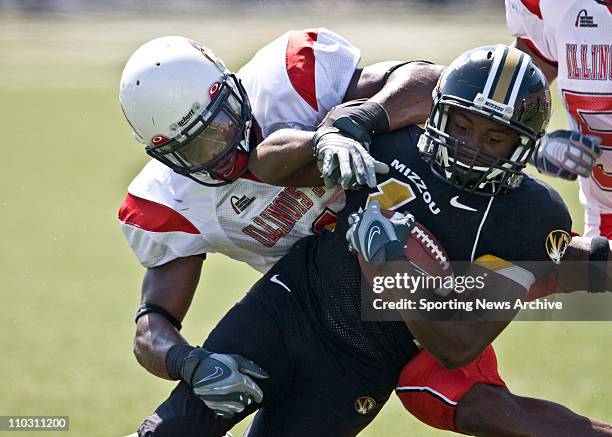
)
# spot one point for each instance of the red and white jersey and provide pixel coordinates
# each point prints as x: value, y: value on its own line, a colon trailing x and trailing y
x: 296, y: 79
x: 576, y: 35
x: 292, y: 82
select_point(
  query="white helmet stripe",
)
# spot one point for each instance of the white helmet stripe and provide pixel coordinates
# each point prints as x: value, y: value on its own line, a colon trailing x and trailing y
x: 497, y: 58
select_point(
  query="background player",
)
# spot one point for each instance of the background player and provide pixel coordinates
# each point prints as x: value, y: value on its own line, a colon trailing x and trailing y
x: 570, y: 41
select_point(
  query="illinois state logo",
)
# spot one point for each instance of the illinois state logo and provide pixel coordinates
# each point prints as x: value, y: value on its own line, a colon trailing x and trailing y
x: 557, y: 243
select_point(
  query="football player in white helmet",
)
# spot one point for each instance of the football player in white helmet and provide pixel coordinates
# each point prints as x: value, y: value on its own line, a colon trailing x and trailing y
x: 189, y: 110
x: 200, y: 122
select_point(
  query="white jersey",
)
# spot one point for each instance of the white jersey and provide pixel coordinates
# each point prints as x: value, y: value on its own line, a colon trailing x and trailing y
x: 292, y: 82
x: 576, y: 35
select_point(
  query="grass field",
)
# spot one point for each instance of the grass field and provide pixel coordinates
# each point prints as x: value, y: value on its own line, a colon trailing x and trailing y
x: 69, y: 282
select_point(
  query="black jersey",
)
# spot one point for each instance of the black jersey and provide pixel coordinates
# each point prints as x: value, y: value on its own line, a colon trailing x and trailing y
x: 512, y: 226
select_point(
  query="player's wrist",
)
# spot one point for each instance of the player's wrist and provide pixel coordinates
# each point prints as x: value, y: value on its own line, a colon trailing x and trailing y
x: 373, y: 117
x: 175, y: 357
x: 319, y: 134
x: 389, y: 252
x: 598, y: 261
x: 358, y: 119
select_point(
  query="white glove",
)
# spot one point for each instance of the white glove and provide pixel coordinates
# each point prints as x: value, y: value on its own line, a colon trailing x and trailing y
x: 567, y: 154
x: 344, y: 161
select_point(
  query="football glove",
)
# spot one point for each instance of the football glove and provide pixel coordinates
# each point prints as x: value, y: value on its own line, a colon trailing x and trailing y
x: 567, y: 154
x: 377, y: 238
x: 344, y: 161
x: 222, y: 381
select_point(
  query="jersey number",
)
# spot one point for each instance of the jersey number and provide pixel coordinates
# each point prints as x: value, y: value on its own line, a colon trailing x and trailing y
x: 392, y: 194
x: 326, y: 220
x: 593, y: 112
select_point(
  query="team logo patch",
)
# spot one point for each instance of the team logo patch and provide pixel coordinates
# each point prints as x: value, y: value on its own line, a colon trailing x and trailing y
x: 239, y: 204
x: 556, y: 244
x: 583, y: 19
x: 364, y: 405
x: 183, y: 121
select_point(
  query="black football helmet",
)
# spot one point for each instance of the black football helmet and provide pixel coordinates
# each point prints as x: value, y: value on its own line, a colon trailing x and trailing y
x: 502, y: 84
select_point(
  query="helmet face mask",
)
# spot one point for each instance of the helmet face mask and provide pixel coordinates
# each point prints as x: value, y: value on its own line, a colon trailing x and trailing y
x: 192, y: 114
x: 503, y: 86
x: 218, y: 132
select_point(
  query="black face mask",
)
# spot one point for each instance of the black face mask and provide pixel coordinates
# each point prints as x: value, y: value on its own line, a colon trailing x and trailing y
x: 208, y: 141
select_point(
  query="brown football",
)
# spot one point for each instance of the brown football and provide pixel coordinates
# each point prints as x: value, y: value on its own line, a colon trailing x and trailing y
x: 422, y: 248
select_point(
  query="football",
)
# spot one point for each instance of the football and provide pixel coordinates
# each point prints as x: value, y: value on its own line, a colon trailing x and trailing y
x: 421, y: 249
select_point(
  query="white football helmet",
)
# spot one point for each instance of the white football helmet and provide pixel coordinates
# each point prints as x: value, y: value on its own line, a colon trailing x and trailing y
x: 189, y: 110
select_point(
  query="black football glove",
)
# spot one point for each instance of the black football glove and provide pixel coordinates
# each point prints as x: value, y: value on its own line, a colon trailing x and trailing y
x: 377, y: 238
x: 222, y: 381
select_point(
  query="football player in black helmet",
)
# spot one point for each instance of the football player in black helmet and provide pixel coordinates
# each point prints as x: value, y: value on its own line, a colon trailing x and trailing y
x: 490, y: 109
x: 515, y: 95
x: 330, y: 370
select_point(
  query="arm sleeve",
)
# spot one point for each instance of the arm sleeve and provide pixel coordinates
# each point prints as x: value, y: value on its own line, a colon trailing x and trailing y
x: 525, y: 21
x: 296, y: 79
x: 536, y: 233
x: 156, y: 233
x: 336, y: 61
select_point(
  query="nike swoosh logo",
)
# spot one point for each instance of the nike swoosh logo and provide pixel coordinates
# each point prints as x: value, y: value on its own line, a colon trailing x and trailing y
x: 373, y: 232
x: 455, y: 202
x: 218, y: 372
x: 278, y: 281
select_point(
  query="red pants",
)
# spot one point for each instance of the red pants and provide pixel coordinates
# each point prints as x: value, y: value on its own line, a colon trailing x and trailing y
x: 431, y: 392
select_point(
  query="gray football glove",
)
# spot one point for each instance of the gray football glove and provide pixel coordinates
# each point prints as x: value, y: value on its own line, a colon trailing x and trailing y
x: 344, y: 161
x: 222, y: 381
x: 567, y: 154
x: 377, y: 238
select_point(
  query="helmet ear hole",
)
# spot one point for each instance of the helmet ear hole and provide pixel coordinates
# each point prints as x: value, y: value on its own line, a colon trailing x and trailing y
x: 157, y: 64
x: 489, y: 54
x: 137, y: 82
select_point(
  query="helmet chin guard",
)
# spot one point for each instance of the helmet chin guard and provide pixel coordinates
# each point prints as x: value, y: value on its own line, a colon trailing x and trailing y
x: 501, y: 84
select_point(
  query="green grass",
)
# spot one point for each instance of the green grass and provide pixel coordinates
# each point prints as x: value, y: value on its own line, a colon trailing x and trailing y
x: 69, y: 281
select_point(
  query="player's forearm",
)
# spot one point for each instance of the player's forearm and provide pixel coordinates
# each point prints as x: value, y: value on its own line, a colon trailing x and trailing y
x: 549, y: 70
x: 406, y: 96
x: 286, y: 158
x: 573, y: 274
x: 155, y: 335
x: 456, y: 336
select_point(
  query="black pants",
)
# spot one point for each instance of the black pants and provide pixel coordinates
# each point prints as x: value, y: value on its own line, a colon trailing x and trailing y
x: 314, y: 389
